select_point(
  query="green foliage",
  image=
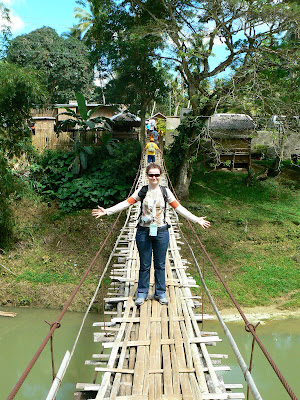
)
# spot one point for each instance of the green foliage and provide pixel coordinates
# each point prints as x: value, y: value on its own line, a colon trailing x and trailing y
x: 63, y: 64
x: 271, y: 280
x: 120, y: 47
x: 293, y: 302
x: 6, y: 188
x: 223, y: 186
x: 19, y: 88
x: 45, y: 277
x: 82, y: 122
x: 107, y: 179
x: 161, y: 125
x: 254, y: 238
x: 182, y: 148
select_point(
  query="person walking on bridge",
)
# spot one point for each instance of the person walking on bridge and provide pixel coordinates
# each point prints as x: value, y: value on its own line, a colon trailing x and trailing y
x: 152, y: 234
x: 150, y: 149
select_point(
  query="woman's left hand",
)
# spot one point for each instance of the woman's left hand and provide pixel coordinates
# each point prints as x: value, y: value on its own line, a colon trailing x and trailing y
x: 98, y: 212
x: 202, y: 221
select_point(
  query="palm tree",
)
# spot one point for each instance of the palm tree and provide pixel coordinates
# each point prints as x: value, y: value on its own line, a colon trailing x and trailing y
x: 83, y: 31
x: 85, y: 20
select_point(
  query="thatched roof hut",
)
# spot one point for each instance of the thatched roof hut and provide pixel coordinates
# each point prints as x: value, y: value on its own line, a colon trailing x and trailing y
x: 125, y: 118
x: 233, y: 125
x: 124, y: 124
x: 231, y: 136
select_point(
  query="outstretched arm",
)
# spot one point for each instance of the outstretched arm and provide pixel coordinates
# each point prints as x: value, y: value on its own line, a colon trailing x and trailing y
x: 187, y: 214
x: 202, y: 221
x: 100, y: 211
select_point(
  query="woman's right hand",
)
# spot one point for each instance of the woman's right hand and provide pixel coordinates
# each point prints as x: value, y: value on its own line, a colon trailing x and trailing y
x: 98, y: 212
x: 202, y: 221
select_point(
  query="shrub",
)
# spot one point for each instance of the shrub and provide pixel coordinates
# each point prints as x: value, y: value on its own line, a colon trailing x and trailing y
x: 107, y: 179
x: 6, y: 189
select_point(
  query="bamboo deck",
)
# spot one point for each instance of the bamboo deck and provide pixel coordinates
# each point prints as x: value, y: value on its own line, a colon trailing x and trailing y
x: 154, y: 352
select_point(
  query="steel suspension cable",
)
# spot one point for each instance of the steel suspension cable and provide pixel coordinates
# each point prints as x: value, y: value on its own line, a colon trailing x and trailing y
x: 57, y: 324
x: 248, y: 326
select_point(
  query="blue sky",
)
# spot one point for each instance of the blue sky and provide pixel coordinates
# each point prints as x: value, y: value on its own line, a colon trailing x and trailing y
x: 28, y: 15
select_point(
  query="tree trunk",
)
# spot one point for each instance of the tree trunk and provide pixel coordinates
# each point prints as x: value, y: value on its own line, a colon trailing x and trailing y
x: 184, y: 180
x: 143, y: 130
x: 185, y: 172
x: 276, y: 167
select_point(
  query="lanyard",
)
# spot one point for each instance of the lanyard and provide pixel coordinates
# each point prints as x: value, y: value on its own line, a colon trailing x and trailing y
x: 154, y: 199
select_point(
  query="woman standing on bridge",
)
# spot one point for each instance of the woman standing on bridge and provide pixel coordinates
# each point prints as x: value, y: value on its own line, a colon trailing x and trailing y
x: 152, y: 230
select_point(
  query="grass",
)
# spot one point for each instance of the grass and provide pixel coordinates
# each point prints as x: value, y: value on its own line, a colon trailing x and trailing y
x: 254, y: 241
x: 50, y: 254
x: 254, y: 238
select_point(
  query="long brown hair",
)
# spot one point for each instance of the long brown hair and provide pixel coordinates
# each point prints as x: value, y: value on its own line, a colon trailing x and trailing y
x: 153, y: 165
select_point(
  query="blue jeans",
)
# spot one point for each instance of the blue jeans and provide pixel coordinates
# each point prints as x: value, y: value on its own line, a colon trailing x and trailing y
x: 159, y: 245
x: 151, y: 158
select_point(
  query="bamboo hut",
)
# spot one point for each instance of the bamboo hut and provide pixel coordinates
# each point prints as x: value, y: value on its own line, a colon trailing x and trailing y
x: 230, y: 136
x: 159, y: 116
x: 44, y: 123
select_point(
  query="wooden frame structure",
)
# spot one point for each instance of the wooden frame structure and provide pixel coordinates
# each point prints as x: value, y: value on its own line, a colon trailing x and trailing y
x: 230, y: 136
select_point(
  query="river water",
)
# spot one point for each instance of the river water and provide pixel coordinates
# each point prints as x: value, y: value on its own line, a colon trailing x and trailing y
x: 21, y: 336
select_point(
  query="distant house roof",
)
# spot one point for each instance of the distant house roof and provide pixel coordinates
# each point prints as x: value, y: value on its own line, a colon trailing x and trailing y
x: 231, y: 122
x: 74, y: 104
x: 159, y: 116
x: 44, y: 118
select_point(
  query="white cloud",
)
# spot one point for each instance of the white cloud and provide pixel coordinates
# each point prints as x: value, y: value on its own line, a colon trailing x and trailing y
x: 16, y: 22
x: 10, y: 3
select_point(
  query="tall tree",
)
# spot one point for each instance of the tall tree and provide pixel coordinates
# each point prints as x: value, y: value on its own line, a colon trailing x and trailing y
x: 137, y: 82
x: 273, y: 92
x: 63, y: 64
x: 5, y: 32
x: 194, y: 31
x: 137, y: 76
x: 19, y: 90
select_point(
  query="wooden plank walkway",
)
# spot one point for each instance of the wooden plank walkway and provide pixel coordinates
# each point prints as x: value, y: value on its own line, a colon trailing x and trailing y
x: 154, y: 352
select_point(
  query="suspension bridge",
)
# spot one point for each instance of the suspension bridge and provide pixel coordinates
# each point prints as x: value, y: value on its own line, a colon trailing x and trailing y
x: 154, y: 351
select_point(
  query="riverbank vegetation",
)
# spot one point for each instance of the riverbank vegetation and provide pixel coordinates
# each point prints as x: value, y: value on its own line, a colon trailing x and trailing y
x: 54, y: 236
x: 254, y: 241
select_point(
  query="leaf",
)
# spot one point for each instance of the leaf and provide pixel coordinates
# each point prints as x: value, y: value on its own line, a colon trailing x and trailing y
x: 106, y: 122
x: 90, y: 124
x: 82, y: 106
x: 76, y: 145
x: 83, y: 159
x: 67, y: 123
x: 89, y: 113
x: 88, y: 149
x: 76, y: 166
x: 69, y: 112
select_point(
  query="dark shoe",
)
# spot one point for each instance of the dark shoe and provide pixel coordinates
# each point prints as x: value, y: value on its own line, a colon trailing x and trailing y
x: 162, y: 300
x: 140, y: 300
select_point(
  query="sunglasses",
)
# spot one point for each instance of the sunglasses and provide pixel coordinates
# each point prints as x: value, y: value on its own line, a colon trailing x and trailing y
x: 153, y: 175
